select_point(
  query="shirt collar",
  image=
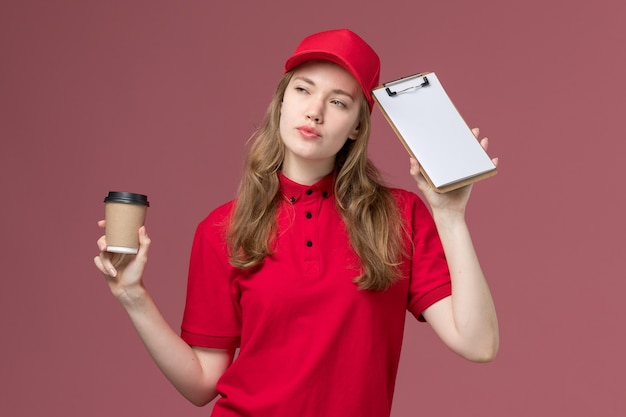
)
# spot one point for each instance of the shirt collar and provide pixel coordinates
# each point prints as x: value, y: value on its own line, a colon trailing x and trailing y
x: 294, y: 191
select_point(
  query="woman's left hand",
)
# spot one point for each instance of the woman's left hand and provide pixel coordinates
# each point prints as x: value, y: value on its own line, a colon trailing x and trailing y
x: 455, y: 200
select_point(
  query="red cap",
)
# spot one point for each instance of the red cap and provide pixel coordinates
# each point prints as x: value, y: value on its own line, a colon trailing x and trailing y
x: 344, y: 48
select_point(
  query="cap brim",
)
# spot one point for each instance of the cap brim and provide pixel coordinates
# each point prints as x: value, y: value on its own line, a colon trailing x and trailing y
x: 306, y: 56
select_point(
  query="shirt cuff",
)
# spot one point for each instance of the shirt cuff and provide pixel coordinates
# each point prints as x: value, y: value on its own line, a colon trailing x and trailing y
x: 215, y: 342
x: 439, y: 293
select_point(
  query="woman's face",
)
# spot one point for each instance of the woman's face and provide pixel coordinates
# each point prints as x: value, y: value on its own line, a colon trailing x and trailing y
x: 319, y: 112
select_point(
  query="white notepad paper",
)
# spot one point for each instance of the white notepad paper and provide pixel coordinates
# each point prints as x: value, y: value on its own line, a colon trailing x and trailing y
x: 432, y: 130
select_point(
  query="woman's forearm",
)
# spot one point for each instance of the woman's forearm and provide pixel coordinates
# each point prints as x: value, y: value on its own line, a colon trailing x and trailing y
x: 472, y: 308
x: 193, y: 371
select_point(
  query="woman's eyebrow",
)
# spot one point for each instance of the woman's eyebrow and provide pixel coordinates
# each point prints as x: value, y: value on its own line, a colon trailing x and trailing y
x: 334, y: 91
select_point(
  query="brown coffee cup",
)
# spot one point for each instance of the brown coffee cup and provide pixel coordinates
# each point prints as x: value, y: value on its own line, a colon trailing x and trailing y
x: 124, y: 213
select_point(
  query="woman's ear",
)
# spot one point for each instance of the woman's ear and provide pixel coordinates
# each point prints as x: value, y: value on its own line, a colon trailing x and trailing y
x: 355, y: 133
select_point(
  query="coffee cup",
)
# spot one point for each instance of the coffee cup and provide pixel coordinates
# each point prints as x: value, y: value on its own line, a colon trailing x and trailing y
x: 124, y: 213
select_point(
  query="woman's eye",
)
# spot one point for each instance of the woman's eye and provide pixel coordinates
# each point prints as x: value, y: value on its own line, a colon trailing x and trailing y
x: 300, y: 89
x: 338, y: 103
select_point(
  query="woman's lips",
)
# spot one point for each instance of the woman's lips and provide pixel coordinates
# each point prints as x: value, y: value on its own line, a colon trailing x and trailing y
x: 308, y: 132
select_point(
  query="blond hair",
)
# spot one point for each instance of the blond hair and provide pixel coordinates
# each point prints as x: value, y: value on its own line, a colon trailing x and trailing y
x: 367, y: 207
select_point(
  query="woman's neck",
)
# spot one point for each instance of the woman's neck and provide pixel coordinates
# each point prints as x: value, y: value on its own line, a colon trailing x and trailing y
x: 307, y: 173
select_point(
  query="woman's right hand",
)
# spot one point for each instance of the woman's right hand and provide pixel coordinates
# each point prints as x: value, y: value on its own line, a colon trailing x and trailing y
x: 123, y: 272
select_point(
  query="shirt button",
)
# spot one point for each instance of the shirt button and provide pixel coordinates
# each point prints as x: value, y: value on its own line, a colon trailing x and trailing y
x: 309, y: 192
x: 324, y: 194
x: 309, y: 243
x: 308, y: 215
x: 292, y: 199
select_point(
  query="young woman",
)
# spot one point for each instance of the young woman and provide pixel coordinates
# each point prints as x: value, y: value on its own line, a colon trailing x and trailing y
x: 310, y: 270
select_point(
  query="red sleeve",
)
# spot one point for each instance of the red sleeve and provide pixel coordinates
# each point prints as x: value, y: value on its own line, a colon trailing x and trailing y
x: 429, y: 274
x: 212, y: 316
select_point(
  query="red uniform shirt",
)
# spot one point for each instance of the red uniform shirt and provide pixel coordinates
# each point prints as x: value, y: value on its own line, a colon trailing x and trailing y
x: 310, y: 342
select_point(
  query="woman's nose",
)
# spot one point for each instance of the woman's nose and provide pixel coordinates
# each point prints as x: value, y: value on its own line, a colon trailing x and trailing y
x: 314, y: 113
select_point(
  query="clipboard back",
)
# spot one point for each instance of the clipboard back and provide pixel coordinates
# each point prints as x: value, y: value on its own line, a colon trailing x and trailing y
x: 431, y: 129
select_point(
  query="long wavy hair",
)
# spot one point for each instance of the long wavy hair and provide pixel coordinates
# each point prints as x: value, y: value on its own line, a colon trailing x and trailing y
x: 367, y: 207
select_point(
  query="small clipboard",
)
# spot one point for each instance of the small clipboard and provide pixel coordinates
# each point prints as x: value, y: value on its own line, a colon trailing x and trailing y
x: 433, y: 132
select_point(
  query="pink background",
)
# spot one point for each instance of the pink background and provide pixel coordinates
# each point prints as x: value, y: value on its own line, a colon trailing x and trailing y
x: 157, y: 97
